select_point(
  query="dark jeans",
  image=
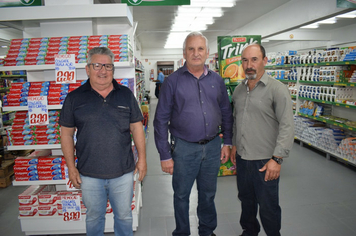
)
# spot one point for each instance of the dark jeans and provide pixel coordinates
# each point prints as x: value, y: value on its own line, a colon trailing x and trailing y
x: 201, y: 163
x: 254, y: 192
x: 158, y: 87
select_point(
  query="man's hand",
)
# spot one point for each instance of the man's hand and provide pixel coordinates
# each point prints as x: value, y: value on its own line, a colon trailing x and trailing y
x: 225, y: 154
x: 74, y: 177
x: 167, y: 166
x: 273, y: 170
x: 141, y: 168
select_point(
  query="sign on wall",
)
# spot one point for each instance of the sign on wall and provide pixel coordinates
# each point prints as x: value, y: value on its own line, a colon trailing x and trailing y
x: 155, y: 2
x: 20, y: 3
x: 346, y: 3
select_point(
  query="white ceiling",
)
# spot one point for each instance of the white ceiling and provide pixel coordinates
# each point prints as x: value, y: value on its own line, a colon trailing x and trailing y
x: 153, y: 23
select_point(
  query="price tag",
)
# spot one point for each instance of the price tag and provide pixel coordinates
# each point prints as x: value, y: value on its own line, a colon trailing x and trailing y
x: 69, y: 184
x: 38, y: 110
x: 65, y: 68
x: 71, y: 208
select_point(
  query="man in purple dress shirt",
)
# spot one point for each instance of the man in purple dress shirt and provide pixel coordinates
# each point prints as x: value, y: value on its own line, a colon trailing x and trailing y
x: 193, y: 105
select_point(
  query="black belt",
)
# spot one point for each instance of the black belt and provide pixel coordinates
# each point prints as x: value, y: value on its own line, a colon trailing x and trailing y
x: 205, y: 141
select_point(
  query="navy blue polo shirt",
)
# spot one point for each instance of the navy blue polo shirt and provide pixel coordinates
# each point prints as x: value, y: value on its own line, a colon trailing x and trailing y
x: 103, y: 144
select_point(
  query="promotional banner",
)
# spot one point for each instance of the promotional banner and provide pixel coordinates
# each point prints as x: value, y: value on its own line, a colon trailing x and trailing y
x: 20, y: 3
x: 155, y: 2
x: 229, y: 50
x: 346, y: 3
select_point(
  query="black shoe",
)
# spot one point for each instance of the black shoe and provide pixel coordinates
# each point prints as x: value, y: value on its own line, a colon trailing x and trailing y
x: 212, y: 234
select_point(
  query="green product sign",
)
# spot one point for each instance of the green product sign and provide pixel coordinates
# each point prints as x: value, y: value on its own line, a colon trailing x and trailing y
x: 20, y: 3
x: 155, y: 2
x: 229, y: 50
x: 346, y: 3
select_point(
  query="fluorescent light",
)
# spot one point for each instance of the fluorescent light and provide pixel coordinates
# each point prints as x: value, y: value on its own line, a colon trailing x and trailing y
x: 351, y: 14
x: 213, y: 4
x: 175, y: 40
x: 4, y: 46
x: 331, y: 20
x: 311, y: 26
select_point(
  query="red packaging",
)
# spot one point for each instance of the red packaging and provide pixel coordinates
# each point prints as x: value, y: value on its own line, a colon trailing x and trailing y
x: 31, y: 63
x: 50, y: 160
x: 23, y: 168
x: 42, y: 167
x: 50, y: 177
x: 28, y: 211
x: 26, y: 173
x: 47, y: 210
x: 47, y: 198
x: 43, y: 173
x: 29, y: 196
x: 26, y: 178
x: 26, y: 161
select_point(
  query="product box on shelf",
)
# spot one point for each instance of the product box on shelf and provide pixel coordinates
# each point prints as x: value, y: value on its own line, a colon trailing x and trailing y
x: 30, y: 195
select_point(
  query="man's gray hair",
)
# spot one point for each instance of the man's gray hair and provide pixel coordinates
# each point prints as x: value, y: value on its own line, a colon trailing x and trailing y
x: 193, y: 34
x: 101, y: 51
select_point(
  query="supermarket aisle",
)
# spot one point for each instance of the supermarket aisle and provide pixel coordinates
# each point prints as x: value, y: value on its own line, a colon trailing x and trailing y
x: 317, y: 198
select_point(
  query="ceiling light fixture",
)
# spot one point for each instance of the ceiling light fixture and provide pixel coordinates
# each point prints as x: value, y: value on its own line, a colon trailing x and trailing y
x: 331, y: 20
x: 351, y: 15
x: 311, y: 26
x: 195, y: 17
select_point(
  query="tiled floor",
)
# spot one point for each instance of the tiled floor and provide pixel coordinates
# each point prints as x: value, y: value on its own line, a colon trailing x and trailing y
x: 317, y: 196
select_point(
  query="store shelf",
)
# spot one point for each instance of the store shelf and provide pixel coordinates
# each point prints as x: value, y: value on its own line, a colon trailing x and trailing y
x: 335, y: 63
x: 330, y: 103
x: 27, y: 147
x: 321, y: 119
x: 125, y: 64
x: 327, y: 152
x: 12, y: 76
x: 38, y: 182
x: 25, y: 108
x: 287, y: 81
x: 328, y: 83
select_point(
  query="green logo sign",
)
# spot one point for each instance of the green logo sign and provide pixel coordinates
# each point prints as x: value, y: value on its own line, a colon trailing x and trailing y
x: 27, y: 2
x: 155, y: 2
x: 135, y: 2
x: 20, y: 3
x: 346, y: 3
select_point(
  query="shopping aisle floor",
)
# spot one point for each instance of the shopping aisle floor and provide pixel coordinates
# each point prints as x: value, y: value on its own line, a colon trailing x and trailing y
x: 317, y: 197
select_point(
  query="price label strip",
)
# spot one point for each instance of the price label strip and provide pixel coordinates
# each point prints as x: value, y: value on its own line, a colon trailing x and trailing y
x: 71, y: 208
x: 38, y: 110
x: 65, y: 68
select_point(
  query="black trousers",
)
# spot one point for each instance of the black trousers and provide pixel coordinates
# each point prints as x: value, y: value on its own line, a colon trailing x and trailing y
x: 158, y: 87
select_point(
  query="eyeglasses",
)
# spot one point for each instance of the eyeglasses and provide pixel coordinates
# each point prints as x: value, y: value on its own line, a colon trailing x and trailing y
x: 99, y: 66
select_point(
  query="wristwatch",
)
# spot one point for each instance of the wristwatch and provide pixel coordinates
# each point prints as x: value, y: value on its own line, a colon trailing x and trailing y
x: 278, y: 160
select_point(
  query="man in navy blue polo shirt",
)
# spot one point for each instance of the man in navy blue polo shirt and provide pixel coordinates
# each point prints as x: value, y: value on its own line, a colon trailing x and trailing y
x: 104, y: 114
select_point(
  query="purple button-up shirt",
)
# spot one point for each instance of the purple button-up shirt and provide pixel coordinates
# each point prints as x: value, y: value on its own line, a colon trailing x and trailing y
x: 192, y: 109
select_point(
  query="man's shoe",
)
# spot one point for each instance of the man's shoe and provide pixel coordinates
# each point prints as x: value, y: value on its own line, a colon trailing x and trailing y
x: 212, y: 234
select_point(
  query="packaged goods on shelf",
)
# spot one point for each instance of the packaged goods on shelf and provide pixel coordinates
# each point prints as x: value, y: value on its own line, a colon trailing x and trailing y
x: 312, y: 56
x: 56, y: 93
x: 128, y: 82
x: 22, y: 133
x: 40, y: 51
x: 347, y: 148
